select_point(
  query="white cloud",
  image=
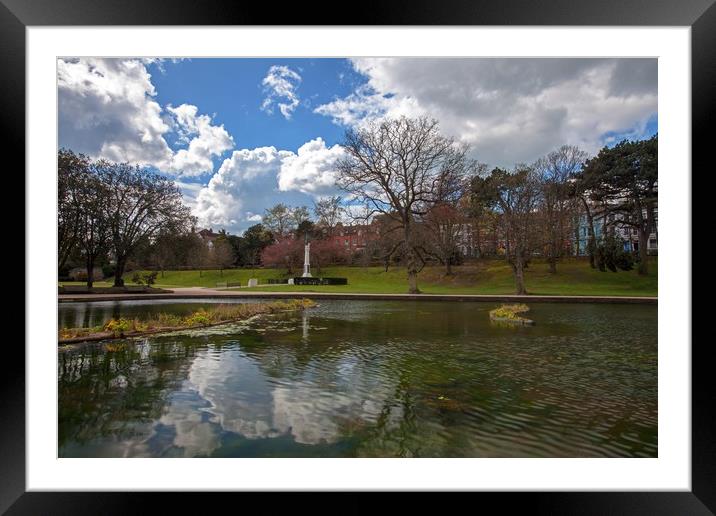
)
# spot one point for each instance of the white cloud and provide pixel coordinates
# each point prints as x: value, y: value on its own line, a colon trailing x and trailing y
x: 280, y: 85
x: 366, y: 104
x: 207, y: 141
x: 252, y: 180
x: 245, y: 182
x: 510, y: 110
x: 312, y: 170
x: 107, y: 110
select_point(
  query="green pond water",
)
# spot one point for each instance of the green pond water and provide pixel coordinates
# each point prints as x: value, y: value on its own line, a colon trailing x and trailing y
x: 366, y: 379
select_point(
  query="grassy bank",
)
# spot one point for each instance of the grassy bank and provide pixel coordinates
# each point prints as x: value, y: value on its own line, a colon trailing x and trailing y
x: 210, y: 316
x: 573, y: 277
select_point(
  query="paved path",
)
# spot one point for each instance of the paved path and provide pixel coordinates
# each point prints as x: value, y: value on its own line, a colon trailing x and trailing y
x: 200, y: 292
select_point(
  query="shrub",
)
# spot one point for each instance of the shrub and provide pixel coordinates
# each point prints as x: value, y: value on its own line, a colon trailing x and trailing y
x: 117, y: 326
x: 306, y: 281
x: 198, y: 318
x: 334, y: 281
x: 320, y: 281
x: 509, y: 311
x: 610, y: 254
x: 144, y: 278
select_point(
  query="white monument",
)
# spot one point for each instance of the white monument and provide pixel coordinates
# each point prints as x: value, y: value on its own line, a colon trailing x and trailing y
x: 306, y: 259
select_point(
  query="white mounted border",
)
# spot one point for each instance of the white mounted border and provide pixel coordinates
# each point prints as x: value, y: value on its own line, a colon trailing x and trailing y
x: 671, y: 471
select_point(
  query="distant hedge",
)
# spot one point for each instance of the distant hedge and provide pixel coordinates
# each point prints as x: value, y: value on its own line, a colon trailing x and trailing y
x: 320, y: 281
x: 334, y: 281
x: 277, y: 281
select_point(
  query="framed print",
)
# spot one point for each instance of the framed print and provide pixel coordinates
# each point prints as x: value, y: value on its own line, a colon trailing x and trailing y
x: 410, y: 251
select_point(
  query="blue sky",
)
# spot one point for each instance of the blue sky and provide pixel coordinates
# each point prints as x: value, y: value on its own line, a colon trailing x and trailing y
x: 237, y: 97
x: 239, y: 135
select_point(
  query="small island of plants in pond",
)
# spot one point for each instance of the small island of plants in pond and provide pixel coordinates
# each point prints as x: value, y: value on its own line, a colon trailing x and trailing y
x: 163, y: 322
x: 510, y: 314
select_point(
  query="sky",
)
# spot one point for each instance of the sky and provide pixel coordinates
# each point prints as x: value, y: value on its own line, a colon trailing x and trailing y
x: 240, y: 135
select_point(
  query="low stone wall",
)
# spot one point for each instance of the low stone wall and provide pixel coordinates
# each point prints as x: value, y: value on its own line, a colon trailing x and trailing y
x: 129, y: 289
x: 216, y: 294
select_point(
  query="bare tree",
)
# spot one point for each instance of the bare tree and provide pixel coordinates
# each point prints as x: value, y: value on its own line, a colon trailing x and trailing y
x: 387, y: 243
x: 299, y: 215
x: 329, y: 212
x: 394, y: 166
x: 278, y: 220
x: 515, y: 195
x: 222, y: 254
x: 94, y: 221
x: 140, y: 204
x: 446, y: 218
x: 282, y: 220
x: 555, y: 173
x: 197, y: 253
x: 71, y: 168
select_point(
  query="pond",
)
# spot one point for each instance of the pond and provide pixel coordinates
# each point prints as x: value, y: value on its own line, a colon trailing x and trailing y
x: 367, y: 379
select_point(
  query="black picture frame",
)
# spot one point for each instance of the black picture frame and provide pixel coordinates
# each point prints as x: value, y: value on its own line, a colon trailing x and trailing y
x: 700, y: 15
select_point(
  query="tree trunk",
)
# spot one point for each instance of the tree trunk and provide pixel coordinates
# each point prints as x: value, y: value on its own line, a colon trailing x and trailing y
x: 448, y: 267
x: 90, y: 272
x: 519, y: 276
x: 119, y: 271
x: 591, y: 240
x: 643, y: 253
x: 411, y: 260
x: 412, y: 281
x: 576, y: 238
x: 552, y: 261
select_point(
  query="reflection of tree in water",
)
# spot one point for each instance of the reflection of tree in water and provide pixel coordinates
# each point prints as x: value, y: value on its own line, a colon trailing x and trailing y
x: 404, y: 382
x: 113, y: 393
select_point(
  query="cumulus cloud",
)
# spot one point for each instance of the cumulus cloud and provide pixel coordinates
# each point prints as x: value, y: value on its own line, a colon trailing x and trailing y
x: 280, y: 86
x: 107, y: 109
x: 312, y: 170
x: 205, y: 141
x: 243, y: 184
x: 252, y: 180
x: 509, y: 110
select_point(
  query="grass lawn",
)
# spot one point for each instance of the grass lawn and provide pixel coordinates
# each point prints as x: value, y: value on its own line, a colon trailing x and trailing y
x: 573, y: 277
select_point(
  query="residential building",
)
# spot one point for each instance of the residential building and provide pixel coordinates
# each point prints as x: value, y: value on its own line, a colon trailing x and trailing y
x: 628, y: 234
x: 353, y: 238
x: 208, y: 236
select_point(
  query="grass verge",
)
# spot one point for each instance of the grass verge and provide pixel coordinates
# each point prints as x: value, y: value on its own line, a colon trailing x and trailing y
x: 492, y: 277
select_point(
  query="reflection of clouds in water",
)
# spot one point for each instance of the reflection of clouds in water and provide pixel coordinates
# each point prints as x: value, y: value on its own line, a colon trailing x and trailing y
x: 241, y: 399
x: 232, y: 391
x: 192, y: 432
x: 303, y: 411
x: 237, y: 391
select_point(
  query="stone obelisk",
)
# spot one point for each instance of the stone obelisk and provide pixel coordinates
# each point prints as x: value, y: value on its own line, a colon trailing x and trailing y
x: 306, y: 259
